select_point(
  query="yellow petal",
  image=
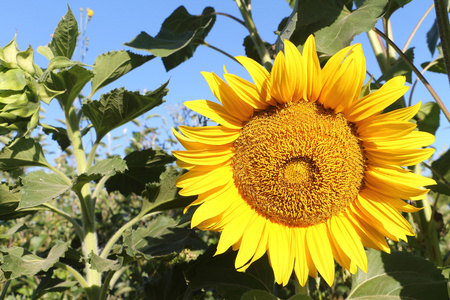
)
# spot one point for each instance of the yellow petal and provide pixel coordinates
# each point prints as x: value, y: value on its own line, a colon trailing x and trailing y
x: 403, y: 114
x: 401, y: 176
x: 215, y: 112
x: 313, y: 80
x: 339, y: 255
x: 377, y: 101
x: 320, y: 250
x: 246, y: 91
x: 414, y: 140
x: 201, y: 182
x: 397, y: 203
x: 301, y: 263
x: 384, y: 129
x: 250, y: 240
x: 398, y: 157
x: 280, y: 86
x: 295, y: 70
x: 212, y: 135
x: 260, y: 77
x: 279, y: 253
x: 189, y: 144
x: 205, y: 157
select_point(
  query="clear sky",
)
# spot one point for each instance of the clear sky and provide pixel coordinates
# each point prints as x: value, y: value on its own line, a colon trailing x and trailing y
x: 117, y: 22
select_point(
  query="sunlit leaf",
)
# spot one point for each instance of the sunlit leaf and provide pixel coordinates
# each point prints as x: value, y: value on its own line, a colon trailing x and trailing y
x: 40, y: 187
x: 143, y: 167
x: 120, y: 106
x: 25, y: 60
x: 103, y: 264
x: 428, y: 117
x: 398, y: 275
x: 12, y: 80
x: 19, y: 262
x: 178, y: 38
x: 332, y: 24
x: 112, y: 65
x: 64, y: 38
x: 26, y: 152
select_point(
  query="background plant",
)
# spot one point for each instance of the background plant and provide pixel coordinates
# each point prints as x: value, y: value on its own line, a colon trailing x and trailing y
x: 94, y: 224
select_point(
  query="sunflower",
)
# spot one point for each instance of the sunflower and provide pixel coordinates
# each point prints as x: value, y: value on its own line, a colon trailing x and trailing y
x: 300, y: 166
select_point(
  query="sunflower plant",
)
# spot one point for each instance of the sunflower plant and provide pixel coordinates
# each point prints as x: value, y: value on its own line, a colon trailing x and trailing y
x: 311, y: 181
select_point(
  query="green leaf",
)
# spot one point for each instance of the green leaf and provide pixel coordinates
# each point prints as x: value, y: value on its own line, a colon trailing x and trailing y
x: 259, y: 295
x: 46, y: 94
x: 106, y: 167
x: 161, y: 237
x: 333, y: 25
x: 60, y: 62
x: 72, y: 81
x: 103, y: 264
x: 428, y: 117
x: 48, y: 284
x: 252, y: 52
x: 8, y: 54
x: 438, y: 66
x: 25, y: 60
x: 163, y: 196
x: 40, y: 187
x: 143, y: 167
x: 46, y: 51
x: 65, y: 36
x: 398, y: 275
x: 433, y: 37
x: 218, y: 272
x: 26, y: 152
x: 399, y: 68
x: 16, y: 228
x: 112, y: 65
x: 120, y: 106
x: 168, y: 285
x: 12, y: 80
x: 442, y: 166
x: 59, y: 135
x: 394, y: 5
x: 9, y: 201
x: 178, y: 38
x: 19, y: 262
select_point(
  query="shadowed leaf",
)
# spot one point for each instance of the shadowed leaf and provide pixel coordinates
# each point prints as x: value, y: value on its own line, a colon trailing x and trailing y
x: 102, y: 264
x: 399, y: 68
x: 26, y: 152
x: 428, y: 117
x: 64, y: 38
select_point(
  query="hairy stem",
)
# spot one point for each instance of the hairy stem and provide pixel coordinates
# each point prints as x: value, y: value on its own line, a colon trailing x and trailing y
x: 444, y: 31
x: 378, y: 50
x: 74, y: 273
x: 419, y: 75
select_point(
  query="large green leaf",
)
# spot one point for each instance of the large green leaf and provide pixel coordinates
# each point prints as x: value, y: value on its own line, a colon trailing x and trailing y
x: 64, y: 38
x: 72, y: 81
x: 398, y: 275
x: 178, y: 38
x: 9, y: 201
x: 143, y: 167
x: 40, y: 187
x: 19, y: 262
x: 8, y: 54
x: 12, y: 80
x: 112, y: 65
x: 428, y: 117
x: 119, y: 107
x: 218, y: 272
x: 161, y: 237
x: 26, y: 152
x: 333, y: 25
x: 395, y: 5
x: 163, y: 196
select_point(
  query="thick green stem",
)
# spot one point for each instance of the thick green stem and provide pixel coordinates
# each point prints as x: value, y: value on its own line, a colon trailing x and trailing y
x: 378, y: 50
x: 444, y: 31
x: 254, y: 35
x: 74, y: 273
x: 419, y: 75
x: 92, y: 155
x: 122, y: 229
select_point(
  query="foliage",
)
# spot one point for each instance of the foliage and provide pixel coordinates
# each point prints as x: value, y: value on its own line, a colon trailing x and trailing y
x: 111, y: 226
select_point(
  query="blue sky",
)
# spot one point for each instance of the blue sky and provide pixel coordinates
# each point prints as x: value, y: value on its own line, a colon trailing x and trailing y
x: 117, y: 22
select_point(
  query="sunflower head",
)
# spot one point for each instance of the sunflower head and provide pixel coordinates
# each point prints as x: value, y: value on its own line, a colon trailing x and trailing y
x: 299, y: 166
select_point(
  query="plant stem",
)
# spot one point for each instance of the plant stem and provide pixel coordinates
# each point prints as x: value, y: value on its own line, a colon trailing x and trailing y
x: 378, y: 50
x: 66, y: 216
x: 204, y: 43
x: 121, y: 230
x: 92, y: 155
x: 442, y: 178
x: 74, y: 273
x: 417, y: 27
x: 105, y: 286
x: 444, y: 31
x: 419, y: 75
x: 229, y: 16
x: 63, y: 176
x: 254, y: 35
x: 5, y: 289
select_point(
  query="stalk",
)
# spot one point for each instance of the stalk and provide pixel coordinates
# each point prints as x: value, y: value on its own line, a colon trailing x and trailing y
x: 444, y: 31
x: 378, y: 50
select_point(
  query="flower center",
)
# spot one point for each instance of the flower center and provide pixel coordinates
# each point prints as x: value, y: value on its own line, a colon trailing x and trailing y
x: 298, y: 164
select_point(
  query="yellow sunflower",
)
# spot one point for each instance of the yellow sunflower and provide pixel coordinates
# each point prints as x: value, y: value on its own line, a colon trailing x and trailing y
x: 300, y: 166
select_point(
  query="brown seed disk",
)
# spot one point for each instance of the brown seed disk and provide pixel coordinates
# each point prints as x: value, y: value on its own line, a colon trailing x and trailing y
x: 298, y: 164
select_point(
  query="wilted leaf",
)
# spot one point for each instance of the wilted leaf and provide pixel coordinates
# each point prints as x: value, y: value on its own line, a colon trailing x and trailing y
x: 399, y: 68
x: 64, y: 38
x: 105, y: 167
x: 19, y: 262
x: 162, y: 196
x: 40, y: 187
x: 143, y: 167
x: 178, y: 38
x: 161, y: 237
x: 103, y: 264
x: 112, y: 65
x: 333, y: 25
x: 120, y: 106
x: 428, y: 117
x: 398, y: 275
x: 72, y: 81
x: 26, y: 152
